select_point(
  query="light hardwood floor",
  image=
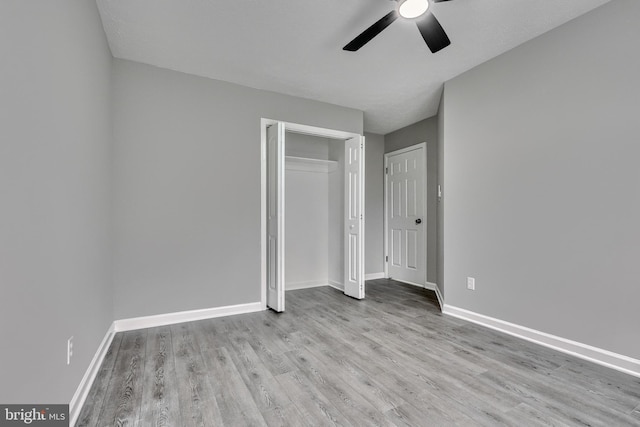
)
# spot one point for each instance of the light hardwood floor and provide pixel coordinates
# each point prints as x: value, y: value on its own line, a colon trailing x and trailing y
x: 392, y: 359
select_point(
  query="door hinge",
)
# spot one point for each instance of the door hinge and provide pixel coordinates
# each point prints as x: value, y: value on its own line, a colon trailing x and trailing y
x: 386, y: 170
x: 386, y: 259
x: 361, y: 216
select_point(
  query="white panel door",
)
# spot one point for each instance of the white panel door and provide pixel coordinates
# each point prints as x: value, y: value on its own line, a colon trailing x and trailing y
x: 405, y: 205
x: 354, y: 217
x: 275, y: 217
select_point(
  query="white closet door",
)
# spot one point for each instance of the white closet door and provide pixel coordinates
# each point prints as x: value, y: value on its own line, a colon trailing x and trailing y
x: 354, y: 217
x: 275, y: 217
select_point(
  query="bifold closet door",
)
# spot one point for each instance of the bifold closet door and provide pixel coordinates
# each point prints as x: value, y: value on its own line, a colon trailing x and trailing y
x: 354, y: 217
x: 275, y: 217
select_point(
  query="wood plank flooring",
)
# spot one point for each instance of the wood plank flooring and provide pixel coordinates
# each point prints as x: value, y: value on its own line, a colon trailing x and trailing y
x: 390, y: 360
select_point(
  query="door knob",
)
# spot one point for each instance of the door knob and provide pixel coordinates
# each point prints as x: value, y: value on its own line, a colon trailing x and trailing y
x: 418, y: 221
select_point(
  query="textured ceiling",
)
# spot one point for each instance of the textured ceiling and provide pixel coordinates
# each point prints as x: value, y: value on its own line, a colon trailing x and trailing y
x: 295, y: 47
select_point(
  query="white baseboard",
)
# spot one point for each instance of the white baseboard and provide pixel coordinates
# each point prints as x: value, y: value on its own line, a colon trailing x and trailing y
x: 337, y: 285
x: 184, y: 316
x: 430, y: 286
x: 427, y: 285
x: 409, y: 283
x: 374, y: 276
x: 304, y: 285
x: 440, y: 298
x: 79, y: 397
x: 597, y: 355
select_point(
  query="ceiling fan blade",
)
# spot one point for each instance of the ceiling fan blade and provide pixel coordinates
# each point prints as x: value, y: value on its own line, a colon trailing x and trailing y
x: 432, y: 32
x: 438, y: 1
x: 371, y: 32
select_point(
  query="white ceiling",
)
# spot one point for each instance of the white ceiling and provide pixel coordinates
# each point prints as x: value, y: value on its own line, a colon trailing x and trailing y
x: 295, y: 46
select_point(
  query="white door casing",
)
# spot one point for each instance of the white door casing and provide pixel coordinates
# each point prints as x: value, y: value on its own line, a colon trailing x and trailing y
x: 273, y: 212
x: 275, y: 216
x: 405, y: 214
x: 354, y: 217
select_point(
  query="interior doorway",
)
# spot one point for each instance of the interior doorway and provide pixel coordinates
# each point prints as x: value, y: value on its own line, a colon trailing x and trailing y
x: 405, y: 215
x: 276, y: 159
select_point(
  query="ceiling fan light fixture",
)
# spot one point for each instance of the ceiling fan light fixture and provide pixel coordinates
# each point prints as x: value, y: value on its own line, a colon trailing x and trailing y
x: 412, y: 8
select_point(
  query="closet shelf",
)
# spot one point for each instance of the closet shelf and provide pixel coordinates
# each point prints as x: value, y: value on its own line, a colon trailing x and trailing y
x: 304, y: 164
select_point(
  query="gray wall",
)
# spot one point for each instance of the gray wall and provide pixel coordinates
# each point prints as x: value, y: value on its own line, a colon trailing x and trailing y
x: 55, y: 137
x: 542, y: 182
x: 374, y: 203
x: 423, y: 131
x: 187, y: 186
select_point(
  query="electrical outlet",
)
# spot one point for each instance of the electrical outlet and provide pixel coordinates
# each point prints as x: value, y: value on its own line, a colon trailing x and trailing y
x: 471, y: 283
x: 69, y: 350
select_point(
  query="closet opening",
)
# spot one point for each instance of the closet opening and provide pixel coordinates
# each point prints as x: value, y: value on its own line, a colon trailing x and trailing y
x: 312, y: 210
x: 314, y: 205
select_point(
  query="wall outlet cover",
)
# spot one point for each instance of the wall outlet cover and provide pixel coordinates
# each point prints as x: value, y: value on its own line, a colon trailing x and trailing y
x: 471, y: 283
x: 69, y: 350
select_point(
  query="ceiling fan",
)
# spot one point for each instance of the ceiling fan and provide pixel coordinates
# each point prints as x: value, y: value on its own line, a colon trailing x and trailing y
x: 431, y: 30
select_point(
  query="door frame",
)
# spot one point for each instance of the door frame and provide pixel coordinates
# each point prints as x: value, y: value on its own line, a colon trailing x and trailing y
x: 422, y: 145
x: 297, y: 128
